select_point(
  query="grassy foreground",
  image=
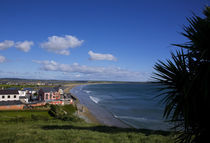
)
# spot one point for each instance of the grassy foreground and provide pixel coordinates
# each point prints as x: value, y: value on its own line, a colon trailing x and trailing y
x: 40, y: 127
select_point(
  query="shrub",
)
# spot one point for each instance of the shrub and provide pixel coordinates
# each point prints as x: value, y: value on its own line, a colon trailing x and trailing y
x: 65, y: 113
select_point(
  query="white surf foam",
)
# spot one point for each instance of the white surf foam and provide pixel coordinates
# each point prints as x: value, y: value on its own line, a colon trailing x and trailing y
x: 142, y: 119
x: 94, y: 99
x: 87, y: 91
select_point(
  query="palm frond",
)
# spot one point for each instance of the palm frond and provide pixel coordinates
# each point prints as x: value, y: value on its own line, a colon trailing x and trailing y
x: 185, y: 82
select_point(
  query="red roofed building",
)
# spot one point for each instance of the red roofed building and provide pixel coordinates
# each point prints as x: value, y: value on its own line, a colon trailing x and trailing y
x: 48, y: 94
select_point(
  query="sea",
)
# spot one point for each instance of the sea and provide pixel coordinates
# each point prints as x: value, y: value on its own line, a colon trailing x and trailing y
x: 133, y: 104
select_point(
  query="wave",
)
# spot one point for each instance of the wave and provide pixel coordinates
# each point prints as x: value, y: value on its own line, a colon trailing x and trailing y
x: 141, y: 119
x: 87, y: 91
x: 94, y: 99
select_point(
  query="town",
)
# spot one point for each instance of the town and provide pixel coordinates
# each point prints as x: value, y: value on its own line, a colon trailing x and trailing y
x: 20, y: 95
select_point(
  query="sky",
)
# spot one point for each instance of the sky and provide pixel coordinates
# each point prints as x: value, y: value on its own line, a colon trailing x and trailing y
x: 115, y: 40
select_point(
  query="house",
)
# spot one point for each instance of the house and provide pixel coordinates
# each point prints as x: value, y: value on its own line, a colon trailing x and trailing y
x: 59, y: 89
x: 24, y: 95
x: 9, y: 95
x: 31, y: 94
x: 40, y: 83
x: 30, y: 90
x: 47, y: 94
x: 22, y: 92
x: 26, y: 98
x: 34, y: 97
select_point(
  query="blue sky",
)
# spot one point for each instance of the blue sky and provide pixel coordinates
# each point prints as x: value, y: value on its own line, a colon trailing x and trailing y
x: 90, y: 39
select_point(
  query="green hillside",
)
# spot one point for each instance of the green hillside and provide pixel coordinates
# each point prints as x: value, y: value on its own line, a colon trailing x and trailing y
x: 38, y: 126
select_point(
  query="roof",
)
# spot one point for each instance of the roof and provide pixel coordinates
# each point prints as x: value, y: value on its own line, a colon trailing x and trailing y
x: 12, y: 88
x: 3, y: 103
x: 56, y: 88
x: 28, y: 88
x: 48, y: 89
x: 3, y: 92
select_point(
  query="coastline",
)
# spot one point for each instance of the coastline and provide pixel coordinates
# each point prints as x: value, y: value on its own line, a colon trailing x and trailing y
x: 90, y: 114
x: 101, y: 113
x: 95, y: 114
x: 82, y: 111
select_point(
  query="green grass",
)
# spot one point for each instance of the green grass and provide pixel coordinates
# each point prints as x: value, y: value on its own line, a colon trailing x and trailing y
x: 5, y: 86
x: 69, y: 109
x: 24, y: 115
x: 53, y: 130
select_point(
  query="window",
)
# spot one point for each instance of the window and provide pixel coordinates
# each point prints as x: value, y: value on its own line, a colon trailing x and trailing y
x: 14, y: 96
x: 3, y: 97
x: 8, y: 96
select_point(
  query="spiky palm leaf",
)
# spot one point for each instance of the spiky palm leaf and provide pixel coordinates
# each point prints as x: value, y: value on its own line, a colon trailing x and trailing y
x: 185, y: 79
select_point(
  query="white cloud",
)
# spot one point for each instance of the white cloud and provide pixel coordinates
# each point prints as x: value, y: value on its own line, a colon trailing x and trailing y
x: 93, y: 73
x: 24, y: 46
x: 6, y: 44
x: 61, y: 45
x: 98, y: 56
x: 2, y: 59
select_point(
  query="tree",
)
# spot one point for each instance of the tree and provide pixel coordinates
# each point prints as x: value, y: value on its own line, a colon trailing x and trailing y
x: 186, y: 82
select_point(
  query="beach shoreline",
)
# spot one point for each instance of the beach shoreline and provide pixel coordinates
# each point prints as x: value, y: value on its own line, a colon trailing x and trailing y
x: 82, y: 111
x: 90, y: 115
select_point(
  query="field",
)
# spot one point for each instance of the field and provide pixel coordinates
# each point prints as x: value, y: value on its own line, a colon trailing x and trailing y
x: 5, y: 86
x: 38, y: 126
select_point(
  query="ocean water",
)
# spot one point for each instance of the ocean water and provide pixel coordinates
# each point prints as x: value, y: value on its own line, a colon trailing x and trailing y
x: 133, y: 104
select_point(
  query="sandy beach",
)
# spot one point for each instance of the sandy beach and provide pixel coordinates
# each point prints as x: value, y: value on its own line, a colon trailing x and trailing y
x: 92, y: 113
x: 82, y: 111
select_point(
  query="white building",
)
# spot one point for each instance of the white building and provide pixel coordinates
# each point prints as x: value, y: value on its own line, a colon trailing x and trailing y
x: 9, y: 95
x: 61, y: 91
x: 22, y: 92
